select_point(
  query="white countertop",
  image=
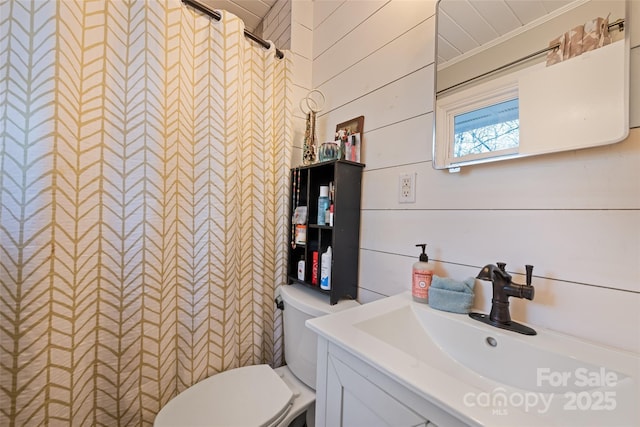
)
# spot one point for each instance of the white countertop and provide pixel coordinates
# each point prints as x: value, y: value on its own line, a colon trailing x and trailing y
x: 409, y: 356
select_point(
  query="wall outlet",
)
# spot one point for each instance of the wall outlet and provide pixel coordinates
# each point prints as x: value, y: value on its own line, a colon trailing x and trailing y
x: 407, y: 188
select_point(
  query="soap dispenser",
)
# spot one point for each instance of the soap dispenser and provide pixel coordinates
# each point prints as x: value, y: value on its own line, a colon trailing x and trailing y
x: 422, y: 274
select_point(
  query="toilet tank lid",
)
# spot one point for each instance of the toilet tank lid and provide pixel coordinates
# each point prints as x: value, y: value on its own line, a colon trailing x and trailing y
x: 312, y: 302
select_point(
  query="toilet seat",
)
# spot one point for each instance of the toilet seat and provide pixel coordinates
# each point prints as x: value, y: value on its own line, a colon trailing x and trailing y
x: 264, y: 400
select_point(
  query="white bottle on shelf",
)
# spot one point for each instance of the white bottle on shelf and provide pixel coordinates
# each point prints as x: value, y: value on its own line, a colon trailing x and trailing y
x: 325, y: 270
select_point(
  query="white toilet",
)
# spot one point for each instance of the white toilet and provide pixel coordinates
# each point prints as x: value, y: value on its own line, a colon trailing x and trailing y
x: 256, y: 396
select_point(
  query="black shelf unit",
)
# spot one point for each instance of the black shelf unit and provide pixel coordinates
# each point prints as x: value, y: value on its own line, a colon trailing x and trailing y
x: 343, y: 236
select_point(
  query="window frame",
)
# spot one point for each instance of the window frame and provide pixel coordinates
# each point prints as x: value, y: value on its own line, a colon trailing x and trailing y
x: 463, y: 101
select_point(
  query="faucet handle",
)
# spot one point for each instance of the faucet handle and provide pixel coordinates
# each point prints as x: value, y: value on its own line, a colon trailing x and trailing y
x: 501, y: 265
x: 529, y: 269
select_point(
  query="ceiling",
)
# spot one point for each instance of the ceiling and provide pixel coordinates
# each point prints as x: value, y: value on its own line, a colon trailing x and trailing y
x: 482, y: 20
x: 466, y: 25
x: 250, y: 11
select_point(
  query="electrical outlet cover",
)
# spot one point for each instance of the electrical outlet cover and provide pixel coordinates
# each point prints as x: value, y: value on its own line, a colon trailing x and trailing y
x: 407, y: 188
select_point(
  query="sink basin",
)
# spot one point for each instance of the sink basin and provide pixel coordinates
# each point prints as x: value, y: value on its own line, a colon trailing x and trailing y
x: 489, y: 376
x: 462, y: 347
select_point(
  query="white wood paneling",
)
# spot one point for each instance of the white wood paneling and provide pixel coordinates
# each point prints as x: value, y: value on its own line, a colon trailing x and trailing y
x: 398, y: 100
x: 405, y: 142
x: 468, y: 25
x: 575, y: 216
x: 446, y: 51
x: 634, y: 85
x: 596, y: 247
x: 369, y: 35
x: 566, y: 307
x: 323, y: 9
x: 276, y: 25
x: 594, y: 178
x: 527, y: 11
x: 522, y: 40
x: 394, y: 60
x: 301, y: 40
x: 299, y: 92
x: 302, y: 34
x: 302, y: 13
x: 467, y: 16
x: 341, y: 22
x: 580, y: 311
x: 498, y: 15
x: 389, y: 273
x: 633, y: 9
x: 385, y: 273
x: 453, y: 35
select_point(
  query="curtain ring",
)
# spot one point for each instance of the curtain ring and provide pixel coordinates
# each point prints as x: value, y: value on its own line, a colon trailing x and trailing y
x: 317, y: 105
x: 302, y: 107
x: 312, y: 104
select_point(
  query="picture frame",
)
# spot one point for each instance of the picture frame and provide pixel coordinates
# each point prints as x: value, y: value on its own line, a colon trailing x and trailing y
x: 349, y: 134
x: 353, y: 125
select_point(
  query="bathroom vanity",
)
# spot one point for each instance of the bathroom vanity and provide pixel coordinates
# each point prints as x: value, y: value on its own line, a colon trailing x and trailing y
x: 397, y: 362
x: 357, y: 394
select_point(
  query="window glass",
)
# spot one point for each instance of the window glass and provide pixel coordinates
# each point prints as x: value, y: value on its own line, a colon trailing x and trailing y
x: 486, y: 130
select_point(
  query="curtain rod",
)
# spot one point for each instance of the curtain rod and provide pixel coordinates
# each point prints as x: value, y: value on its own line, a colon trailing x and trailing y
x: 215, y: 15
x: 618, y: 23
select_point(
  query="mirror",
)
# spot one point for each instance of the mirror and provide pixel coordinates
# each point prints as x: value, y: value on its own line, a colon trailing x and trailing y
x: 518, y: 78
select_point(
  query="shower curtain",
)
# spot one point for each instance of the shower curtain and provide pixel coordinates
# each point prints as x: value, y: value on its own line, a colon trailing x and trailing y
x: 143, y: 177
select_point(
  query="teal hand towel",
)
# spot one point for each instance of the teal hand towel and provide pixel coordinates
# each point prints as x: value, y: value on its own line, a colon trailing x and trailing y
x: 451, y: 295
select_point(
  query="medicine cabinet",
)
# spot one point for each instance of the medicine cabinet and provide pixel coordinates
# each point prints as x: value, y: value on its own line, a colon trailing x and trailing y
x: 308, y: 240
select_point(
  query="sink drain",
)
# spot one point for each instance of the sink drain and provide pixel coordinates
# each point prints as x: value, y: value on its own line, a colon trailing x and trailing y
x: 491, y: 341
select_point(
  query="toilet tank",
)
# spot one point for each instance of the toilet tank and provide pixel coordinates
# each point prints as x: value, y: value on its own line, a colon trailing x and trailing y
x: 300, y: 343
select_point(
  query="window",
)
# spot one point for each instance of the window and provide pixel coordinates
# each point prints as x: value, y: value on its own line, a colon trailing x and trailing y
x: 478, y: 123
x: 486, y: 130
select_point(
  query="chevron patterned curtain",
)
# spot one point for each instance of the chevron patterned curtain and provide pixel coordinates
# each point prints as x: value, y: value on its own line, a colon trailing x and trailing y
x: 143, y: 176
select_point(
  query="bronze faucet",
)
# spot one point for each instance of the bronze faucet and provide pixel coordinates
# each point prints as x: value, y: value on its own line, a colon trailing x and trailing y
x: 503, y: 288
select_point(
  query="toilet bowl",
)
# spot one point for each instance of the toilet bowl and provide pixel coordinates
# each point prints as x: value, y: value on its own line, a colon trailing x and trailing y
x: 257, y: 396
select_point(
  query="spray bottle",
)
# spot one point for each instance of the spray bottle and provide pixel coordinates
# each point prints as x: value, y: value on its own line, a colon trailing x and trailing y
x: 422, y: 274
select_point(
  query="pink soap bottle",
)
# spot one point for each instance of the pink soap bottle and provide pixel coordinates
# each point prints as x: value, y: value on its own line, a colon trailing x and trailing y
x: 422, y: 274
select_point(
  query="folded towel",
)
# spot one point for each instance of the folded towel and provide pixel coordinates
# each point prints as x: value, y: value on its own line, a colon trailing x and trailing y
x: 451, y: 295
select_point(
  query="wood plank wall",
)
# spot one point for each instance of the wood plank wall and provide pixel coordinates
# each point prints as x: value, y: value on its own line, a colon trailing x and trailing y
x: 575, y: 216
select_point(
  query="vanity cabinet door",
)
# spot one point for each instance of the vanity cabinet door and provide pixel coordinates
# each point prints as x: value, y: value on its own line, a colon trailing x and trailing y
x: 354, y: 401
